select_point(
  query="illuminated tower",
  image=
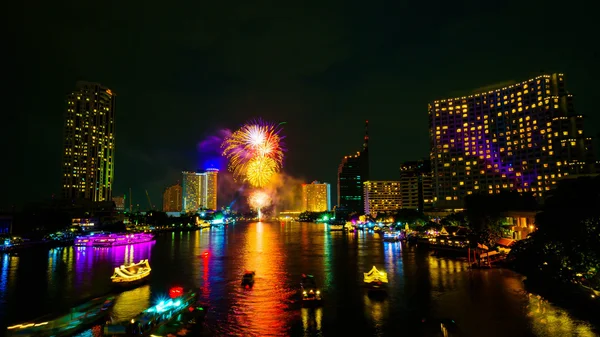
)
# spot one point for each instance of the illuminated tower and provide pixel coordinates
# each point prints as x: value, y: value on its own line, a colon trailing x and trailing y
x: 172, y: 199
x: 416, y: 186
x: 191, y: 191
x: 353, y: 171
x: 89, y: 143
x: 211, y: 175
x: 316, y: 197
x: 520, y: 136
x: 200, y: 190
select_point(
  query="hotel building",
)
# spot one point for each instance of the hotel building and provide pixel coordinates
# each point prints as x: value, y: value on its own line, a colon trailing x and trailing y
x: 353, y: 171
x: 172, y: 199
x: 316, y: 197
x: 523, y: 137
x: 416, y: 185
x: 382, y: 197
x: 89, y: 143
x: 200, y: 190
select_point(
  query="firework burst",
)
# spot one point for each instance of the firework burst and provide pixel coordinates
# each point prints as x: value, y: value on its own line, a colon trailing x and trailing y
x: 255, y: 152
x: 259, y: 199
x: 260, y: 171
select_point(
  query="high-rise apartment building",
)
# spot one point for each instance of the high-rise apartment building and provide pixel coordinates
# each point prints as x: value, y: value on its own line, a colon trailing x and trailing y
x: 352, y: 173
x: 210, y: 195
x: 522, y: 137
x: 89, y: 143
x: 416, y: 185
x: 200, y: 190
x: 382, y: 196
x: 316, y: 197
x: 172, y: 199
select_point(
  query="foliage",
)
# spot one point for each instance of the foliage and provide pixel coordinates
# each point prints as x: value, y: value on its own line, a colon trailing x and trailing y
x: 484, y: 213
x: 567, y: 242
x: 458, y: 219
x: 410, y: 216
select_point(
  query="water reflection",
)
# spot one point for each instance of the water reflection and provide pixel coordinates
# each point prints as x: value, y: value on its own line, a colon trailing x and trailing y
x: 421, y: 285
x: 548, y: 320
x: 311, y: 321
x: 261, y: 310
x: 131, y: 303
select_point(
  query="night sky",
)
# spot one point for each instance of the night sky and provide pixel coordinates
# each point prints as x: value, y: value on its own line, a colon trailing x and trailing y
x: 182, y: 73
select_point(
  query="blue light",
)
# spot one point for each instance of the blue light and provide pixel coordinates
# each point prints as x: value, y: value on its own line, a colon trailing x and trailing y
x: 216, y: 221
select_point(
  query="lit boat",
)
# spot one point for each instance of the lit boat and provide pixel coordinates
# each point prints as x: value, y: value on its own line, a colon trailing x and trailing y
x: 336, y: 227
x: 203, y: 224
x: 132, y: 274
x: 375, y: 279
x: 349, y: 226
x: 109, y: 240
x: 248, y: 279
x: 391, y: 236
x: 151, y: 319
x: 376, y: 229
x: 79, y: 318
x: 310, y: 292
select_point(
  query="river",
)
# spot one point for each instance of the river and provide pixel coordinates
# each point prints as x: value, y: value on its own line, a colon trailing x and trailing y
x: 422, y: 289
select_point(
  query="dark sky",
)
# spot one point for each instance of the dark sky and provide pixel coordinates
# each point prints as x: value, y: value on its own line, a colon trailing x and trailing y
x: 182, y: 72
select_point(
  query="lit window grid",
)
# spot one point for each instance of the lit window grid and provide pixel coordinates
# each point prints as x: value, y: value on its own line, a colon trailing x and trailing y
x: 382, y: 196
x: 89, y: 143
x: 479, y: 144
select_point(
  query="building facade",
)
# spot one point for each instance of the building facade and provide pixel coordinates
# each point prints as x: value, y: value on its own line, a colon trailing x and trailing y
x: 416, y: 185
x: 119, y: 203
x: 199, y: 190
x: 519, y: 137
x: 172, y: 199
x: 89, y: 143
x: 353, y: 171
x: 382, y: 197
x: 316, y: 197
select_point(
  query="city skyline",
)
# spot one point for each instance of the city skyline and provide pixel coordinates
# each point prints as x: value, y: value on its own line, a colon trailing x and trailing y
x: 344, y: 67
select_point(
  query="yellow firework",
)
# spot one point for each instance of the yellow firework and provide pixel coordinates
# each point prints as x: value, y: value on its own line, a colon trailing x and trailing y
x: 260, y: 170
x: 255, y: 152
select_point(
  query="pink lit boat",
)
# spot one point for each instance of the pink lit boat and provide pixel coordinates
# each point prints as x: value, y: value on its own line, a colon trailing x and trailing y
x: 110, y: 240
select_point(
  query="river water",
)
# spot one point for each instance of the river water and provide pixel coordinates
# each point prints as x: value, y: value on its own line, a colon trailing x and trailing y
x: 422, y: 289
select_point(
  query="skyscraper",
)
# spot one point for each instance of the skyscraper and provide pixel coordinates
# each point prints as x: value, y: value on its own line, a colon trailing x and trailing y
x: 210, y: 194
x: 519, y: 137
x: 382, y: 197
x: 416, y: 185
x: 353, y: 171
x: 316, y: 197
x: 200, y: 190
x: 89, y: 143
x: 172, y: 199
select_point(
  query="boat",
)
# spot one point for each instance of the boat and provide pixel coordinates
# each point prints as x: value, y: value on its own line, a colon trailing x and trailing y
x: 310, y: 292
x: 77, y: 319
x: 156, y: 316
x: 203, y: 224
x: 376, y: 229
x: 110, y: 240
x: 391, y: 236
x: 248, y: 279
x: 349, y: 227
x: 336, y: 227
x: 132, y: 274
x: 375, y: 279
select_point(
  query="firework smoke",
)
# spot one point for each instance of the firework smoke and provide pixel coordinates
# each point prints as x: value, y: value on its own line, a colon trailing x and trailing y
x: 255, y: 155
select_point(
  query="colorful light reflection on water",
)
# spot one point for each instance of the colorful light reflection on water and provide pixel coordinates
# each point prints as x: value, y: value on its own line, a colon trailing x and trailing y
x: 420, y: 285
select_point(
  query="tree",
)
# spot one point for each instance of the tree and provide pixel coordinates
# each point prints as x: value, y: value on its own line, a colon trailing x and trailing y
x: 567, y: 242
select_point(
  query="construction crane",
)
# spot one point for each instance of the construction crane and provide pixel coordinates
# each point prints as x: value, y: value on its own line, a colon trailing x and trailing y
x: 149, y: 202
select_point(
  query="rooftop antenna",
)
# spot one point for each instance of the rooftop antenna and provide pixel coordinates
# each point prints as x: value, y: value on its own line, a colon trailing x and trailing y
x: 366, y: 143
